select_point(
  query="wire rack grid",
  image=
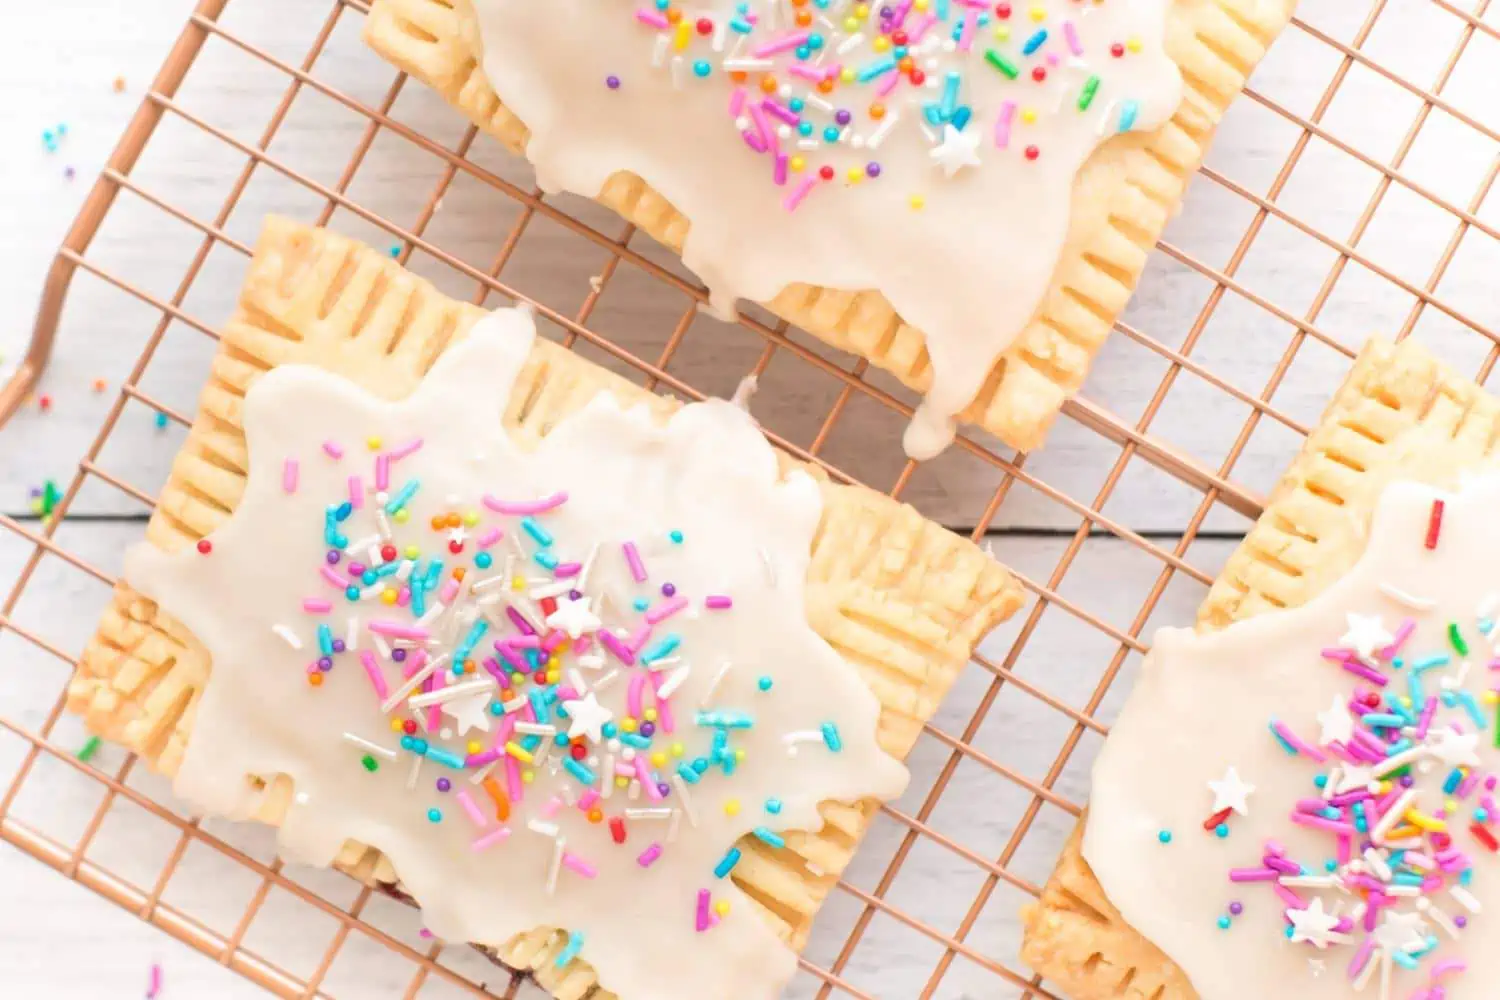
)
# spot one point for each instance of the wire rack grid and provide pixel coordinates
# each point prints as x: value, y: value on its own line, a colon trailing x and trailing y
x: 1373, y: 270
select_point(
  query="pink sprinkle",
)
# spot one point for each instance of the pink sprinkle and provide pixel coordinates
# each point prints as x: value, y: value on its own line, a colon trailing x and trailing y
x: 356, y: 492
x: 409, y: 448
x: 1285, y: 732
x: 484, y: 757
x: 554, y: 640
x: 550, y: 807
x: 532, y: 641
x: 923, y: 24
x: 1447, y: 965
x: 449, y: 591
x: 797, y: 69
x: 404, y: 597
x: 578, y: 866
x: 1403, y: 632
x: 1426, y: 720
x: 780, y: 45
x: 736, y: 101
x: 382, y: 472
x: 1290, y: 898
x: 1331, y: 825
x: 490, y: 839
x: 567, y: 570
x: 638, y: 638
x: 289, y: 475
x: 717, y: 602
x: 332, y: 449
x: 372, y: 669
x: 644, y: 773
x: 633, y: 697
x: 153, y: 982
x: 587, y: 799
x: 333, y: 578
x: 1070, y: 35
x: 888, y: 83
x: 612, y: 642
x: 1362, y: 956
x: 646, y: 15
x: 778, y: 110
x: 316, y: 606
x: 966, y: 39
x: 521, y: 508
x: 778, y: 172
x: 519, y: 621
x: 702, y: 923
x: 1003, y: 123
x: 396, y: 630
x: 415, y: 661
x: 666, y: 609
x: 489, y: 538
x: 471, y: 808
x: 1252, y: 875
x: 795, y: 198
x: 437, y: 680
x: 513, y: 787
x: 649, y: 855
x: 1346, y: 849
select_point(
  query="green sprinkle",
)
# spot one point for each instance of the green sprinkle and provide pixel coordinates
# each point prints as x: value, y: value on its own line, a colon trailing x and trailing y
x: 1001, y: 63
x: 1457, y: 638
x: 1090, y: 88
x: 89, y: 748
x: 371, y: 764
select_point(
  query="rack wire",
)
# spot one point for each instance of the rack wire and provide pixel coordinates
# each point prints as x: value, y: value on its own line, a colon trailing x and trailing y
x: 1003, y: 846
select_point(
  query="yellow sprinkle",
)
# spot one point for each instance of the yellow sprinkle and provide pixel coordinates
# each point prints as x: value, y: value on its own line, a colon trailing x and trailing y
x: 621, y: 782
x: 846, y: 75
x: 1403, y: 832
x: 684, y: 35
x: 627, y: 724
x: 1451, y: 806
x: 412, y: 552
x: 722, y: 907
x: 471, y: 518
x: 881, y: 43
x: 401, y: 516
x: 678, y: 750
x: 797, y: 163
x: 855, y: 174
x: 917, y: 202
x: 388, y: 597
x: 1038, y: 12
x: 649, y: 715
x: 1489, y: 697
x: 518, y: 583
x: 1002, y: 32
x: 739, y: 755
x: 658, y: 759
x: 475, y: 746
x: 1424, y: 822
x: 527, y: 777
x: 851, y: 24
x: 553, y: 676
x: 861, y: 10
x: 518, y: 752
x: 518, y: 679
x: 1133, y: 44
x: 395, y: 725
x: 373, y: 443
x: 732, y: 807
x: 1028, y: 115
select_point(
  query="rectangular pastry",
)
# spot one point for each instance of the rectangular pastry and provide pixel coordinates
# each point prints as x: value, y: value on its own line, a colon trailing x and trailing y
x: 1366, y: 553
x: 963, y: 194
x: 893, y: 606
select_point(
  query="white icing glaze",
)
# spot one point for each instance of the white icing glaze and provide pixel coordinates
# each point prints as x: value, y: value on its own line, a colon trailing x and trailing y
x: 746, y: 533
x: 1203, y: 704
x: 968, y: 269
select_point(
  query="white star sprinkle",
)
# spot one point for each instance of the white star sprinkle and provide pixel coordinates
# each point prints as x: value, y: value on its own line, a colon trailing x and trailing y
x: 1337, y: 723
x: 1366, y: 635
x: 1230, y: 792
x: 1455, y: 749
x: 469, y: 712
x: 586, y: 715
x: 1313, y: 925
x: 574, y: 617
x: 956, y: 151
x: 1401, y: 931
x: 1353, y: 778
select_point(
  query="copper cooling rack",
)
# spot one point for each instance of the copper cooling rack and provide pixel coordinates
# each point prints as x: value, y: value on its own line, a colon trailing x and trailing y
x: 998, y: 850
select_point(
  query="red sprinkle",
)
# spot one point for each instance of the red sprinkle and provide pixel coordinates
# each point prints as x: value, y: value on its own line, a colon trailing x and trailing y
x: 1212, y: 823
x: 205, y: 546
x: 617, y: 829
x: 1434, y: 524
x: 549, y: 605
x: 1484, y: 837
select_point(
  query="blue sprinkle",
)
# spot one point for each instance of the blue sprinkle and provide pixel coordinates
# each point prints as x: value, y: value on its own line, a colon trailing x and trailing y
x: 403, y: 496
x: 831, y: 737
x: 538, y: 534
x: 687, y: 774
x: 768, y: 836
x: 773, y: 806
x: 571, y: 949
x: 578, y: 770
x: 1035, y: 42
x: 724, y: 867
x: 445, y: 757
x: 325, y: 640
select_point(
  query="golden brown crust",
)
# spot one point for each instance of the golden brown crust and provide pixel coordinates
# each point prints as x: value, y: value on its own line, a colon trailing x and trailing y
x: 1399, y: 414
x: 898, y: 596
x: 1121, y: 201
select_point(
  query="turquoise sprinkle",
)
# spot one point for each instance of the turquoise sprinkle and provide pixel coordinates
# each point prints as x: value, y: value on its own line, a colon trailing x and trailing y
x: 961, y: 117
x: 578, y: 770
x: 571, y: 949
x: 1414, y: 688
x: 161, y: 420
x: 483, y: 560
x: 1282, y: 740
x: 1128, y: 112
x: 325, y: 640
x: 530, y: 742
x: 662, y: 649
x: 476, y: 633
x: 445, y: 757
x: 724, y: 720
x: 635, y: 740
x: 675, y: 536
x: 1466, y: 698
x: 1385, y: 719
x: 1221, y: 831
x: 1223, y: 923
x: 764, y: 683
x: 403, y: 496
x: 1431, y: 662
x: 687, y: 774
x: 877, y: 68
x: 1406, y: 878
x: 831, y: 737
x: 1451, y: 783
x: 768, y: 836
x: 1165, y: 836
x: 640, y: 604
x: 387, y: 569
x: 418, y: 601
x: 1035, y: 42
x: 773, y: 806
x: 435, y: 815
x: 1481, y: 815
x: 1403, y: 959
x: 950, y: 95
x: 538, y: 534
x: 538, y: 705
x: 546, y: 560
x: 724, y: 867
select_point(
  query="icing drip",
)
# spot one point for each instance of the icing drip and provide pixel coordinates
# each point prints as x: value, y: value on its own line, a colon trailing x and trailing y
x: 1303, y: 804
x: 925, y: 149
x: 637, y: 684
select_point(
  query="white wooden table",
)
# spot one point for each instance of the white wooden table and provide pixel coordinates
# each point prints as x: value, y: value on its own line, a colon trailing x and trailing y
x: 57, y: 64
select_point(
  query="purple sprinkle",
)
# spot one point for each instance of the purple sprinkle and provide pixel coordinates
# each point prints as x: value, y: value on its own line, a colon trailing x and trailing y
x: 664, y: 788
x: 338, y: 645
x: 1407, y: 781
x: 1460, y: 921
x: 872, y: 169
x: 333, y: 557
x: 575, y: 595
x: 612, y: 82
x: 648, y: 729
x: 1236, y: 908
x: 398, y: 655
x: 842, y: 116
x: 325, y: 664
x: 443, y: 784
x: 69, y: 172
x: 667, y: 589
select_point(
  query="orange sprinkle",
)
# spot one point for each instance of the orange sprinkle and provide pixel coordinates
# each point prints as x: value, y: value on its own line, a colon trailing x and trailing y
x: 497, y: 794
